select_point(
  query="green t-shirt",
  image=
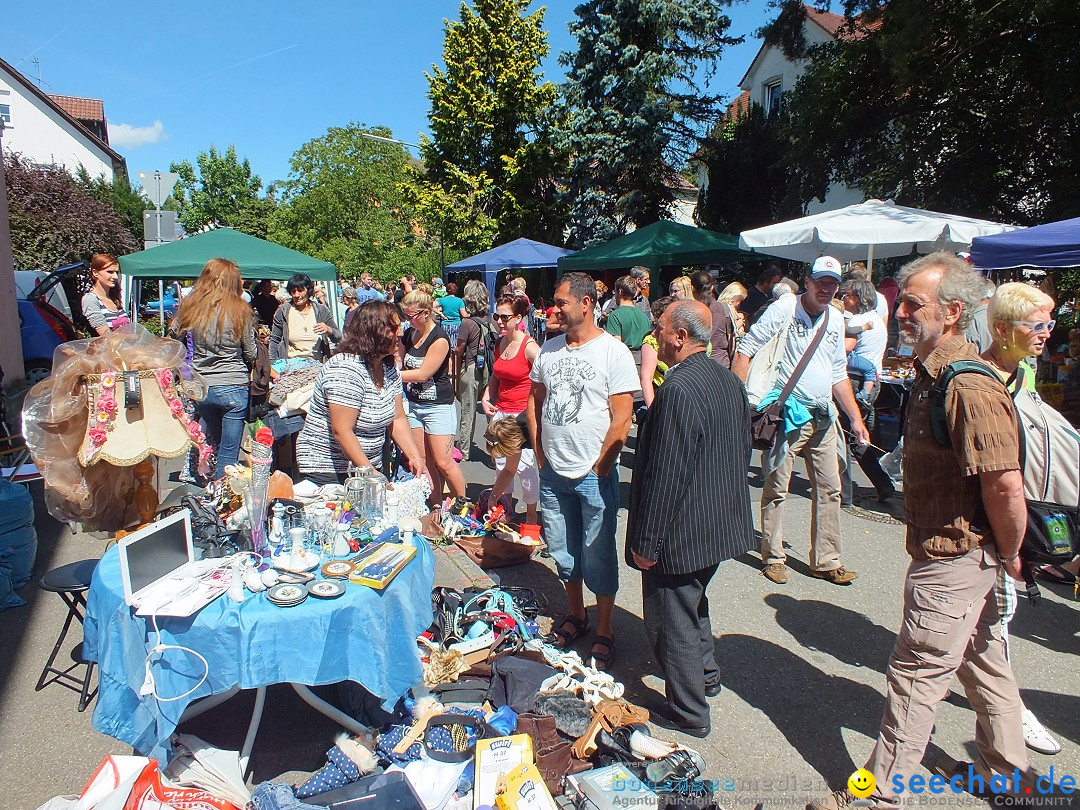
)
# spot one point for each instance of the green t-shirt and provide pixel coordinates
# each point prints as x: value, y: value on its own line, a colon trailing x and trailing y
x: 629, y: 324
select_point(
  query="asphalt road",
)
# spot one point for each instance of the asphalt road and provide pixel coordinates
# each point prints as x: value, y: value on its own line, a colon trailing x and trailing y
x: 802, y: 671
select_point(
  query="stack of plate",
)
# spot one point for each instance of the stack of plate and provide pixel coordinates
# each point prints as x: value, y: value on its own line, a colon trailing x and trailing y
x: 337, y: 569
x: 287, y: 594
x: 326, y: 589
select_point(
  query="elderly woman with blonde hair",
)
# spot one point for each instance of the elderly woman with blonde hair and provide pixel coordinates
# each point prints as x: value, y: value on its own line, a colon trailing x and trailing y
x: 1020, y: 320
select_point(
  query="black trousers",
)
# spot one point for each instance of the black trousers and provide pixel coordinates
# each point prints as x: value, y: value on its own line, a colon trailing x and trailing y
x: 677, y: 621
x: 868, y: 458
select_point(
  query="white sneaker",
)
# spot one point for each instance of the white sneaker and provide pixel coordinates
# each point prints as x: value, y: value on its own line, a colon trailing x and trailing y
x: 1037, y: 737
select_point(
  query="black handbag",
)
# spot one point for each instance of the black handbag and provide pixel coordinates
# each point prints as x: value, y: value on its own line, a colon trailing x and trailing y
x: 765, y: 423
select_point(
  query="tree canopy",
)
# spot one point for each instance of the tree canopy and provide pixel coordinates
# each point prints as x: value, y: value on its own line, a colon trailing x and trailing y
x: 490, y: 166
x: 346, y: 201
x: 128, y: 203
x: 54, y: 221
x: 953, y: 105
x: 635, y: 104
x: 223, y: 191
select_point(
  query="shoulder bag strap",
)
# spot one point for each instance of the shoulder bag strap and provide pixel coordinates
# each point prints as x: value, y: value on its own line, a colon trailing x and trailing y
x: 804, y: 361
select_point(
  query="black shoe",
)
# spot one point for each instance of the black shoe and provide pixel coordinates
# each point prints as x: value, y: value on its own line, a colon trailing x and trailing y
x: 713, y: 689
x: 669, y: 723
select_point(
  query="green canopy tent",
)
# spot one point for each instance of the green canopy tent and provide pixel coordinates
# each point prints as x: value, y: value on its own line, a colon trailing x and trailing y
x: 661, y: 244
x: 257, y: 259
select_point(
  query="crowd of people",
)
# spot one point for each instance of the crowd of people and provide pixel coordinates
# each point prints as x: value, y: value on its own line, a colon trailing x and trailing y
x: 412, y: 363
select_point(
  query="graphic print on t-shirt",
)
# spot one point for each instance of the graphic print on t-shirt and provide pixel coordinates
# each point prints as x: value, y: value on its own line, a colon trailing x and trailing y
x: 421, y: 391
x: 566, y: 380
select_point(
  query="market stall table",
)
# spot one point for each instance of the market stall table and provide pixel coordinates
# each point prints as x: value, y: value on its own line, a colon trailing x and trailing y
x: 366, y: 636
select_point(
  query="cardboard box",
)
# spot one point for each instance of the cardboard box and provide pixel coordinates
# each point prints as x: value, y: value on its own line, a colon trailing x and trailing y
x: 496, y: 757
x: 525, y: 790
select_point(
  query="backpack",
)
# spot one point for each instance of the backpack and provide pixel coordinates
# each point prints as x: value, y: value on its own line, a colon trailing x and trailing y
x: 1050, y: 460
x: 485, y: 355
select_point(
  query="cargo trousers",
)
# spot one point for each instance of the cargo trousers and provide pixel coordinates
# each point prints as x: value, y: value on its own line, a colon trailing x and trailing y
x: 950, y: 627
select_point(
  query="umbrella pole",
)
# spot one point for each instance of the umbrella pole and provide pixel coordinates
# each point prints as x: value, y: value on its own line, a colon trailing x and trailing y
x: 161, y: 304
x: 870, y: 262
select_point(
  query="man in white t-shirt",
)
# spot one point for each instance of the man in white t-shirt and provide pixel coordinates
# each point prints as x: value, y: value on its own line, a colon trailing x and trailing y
x: 824, y: 378
x: 579, y: 414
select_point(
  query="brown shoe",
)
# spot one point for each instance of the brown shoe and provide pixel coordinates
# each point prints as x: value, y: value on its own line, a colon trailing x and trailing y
x: 777, y: 572
x: 837, y: 576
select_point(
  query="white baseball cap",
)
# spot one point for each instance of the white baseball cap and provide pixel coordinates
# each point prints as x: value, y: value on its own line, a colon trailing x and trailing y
x: 825, y: 267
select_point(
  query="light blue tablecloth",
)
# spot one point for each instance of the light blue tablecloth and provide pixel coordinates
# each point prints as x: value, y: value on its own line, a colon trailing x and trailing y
x: 367, y: 636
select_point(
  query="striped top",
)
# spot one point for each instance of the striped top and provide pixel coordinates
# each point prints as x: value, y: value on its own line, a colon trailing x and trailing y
x: 345, y: 381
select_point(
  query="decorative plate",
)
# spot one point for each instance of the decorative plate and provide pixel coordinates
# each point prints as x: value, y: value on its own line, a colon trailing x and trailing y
x: 326, y: 589
x: 295, y: 563
x: 339, y: 569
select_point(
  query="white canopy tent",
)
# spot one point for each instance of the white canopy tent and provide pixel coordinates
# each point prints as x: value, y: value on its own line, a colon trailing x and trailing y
x: 861, y: 232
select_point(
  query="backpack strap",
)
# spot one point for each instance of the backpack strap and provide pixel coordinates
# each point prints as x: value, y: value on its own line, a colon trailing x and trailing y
x: 939, y: 421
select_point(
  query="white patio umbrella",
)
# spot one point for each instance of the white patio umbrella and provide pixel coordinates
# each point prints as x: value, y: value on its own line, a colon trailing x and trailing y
x: 868, y: 229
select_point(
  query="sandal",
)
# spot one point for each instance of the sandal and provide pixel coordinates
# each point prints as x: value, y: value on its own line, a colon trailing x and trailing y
x: 561, y: 637
x: 603, y: 660
x: 1055, y: 573
x: 607, y: 715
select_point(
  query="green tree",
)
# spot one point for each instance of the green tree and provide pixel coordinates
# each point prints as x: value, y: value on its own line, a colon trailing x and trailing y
x: 953, y: 105
x: 54, y: 221
x: 223, y: 191
x: 490, y: 165
x: 750, y: 181
x: 347, y: 201
x: 635, y: 107
x: 128, y: 203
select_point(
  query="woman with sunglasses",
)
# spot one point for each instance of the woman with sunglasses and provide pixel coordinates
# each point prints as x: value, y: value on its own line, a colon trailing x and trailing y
x: 1019, y: 321
x: 429, y: 388
x: 507, y: 396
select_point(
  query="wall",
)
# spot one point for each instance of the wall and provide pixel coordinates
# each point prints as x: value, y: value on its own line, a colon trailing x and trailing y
x: 43, y: 135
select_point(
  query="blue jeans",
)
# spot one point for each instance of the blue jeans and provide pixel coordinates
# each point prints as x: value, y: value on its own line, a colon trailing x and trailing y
x: 223, y: 413
x: 579, y: 516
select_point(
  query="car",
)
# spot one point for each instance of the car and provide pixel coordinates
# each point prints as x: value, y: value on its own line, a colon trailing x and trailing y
x: 151, y: 309
x: 43, y: 324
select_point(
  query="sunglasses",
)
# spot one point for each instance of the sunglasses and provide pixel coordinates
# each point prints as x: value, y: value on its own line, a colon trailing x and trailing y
x: 1038, y: 327
x: 499, y: 317
x: 411, y: 315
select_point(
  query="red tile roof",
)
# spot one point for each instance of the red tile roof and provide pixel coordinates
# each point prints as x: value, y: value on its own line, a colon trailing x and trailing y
x: 738, y: 107
x: 85, y: 109
x: 830, y: 23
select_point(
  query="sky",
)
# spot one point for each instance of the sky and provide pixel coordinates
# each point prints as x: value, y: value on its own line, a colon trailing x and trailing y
x: 265, y: 76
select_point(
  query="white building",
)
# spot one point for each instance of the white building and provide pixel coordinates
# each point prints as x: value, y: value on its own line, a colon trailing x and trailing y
x: 771, y: 74
x: 58, y: 130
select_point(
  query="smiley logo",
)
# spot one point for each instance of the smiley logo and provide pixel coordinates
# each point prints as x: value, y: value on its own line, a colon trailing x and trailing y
x: 861, y: 783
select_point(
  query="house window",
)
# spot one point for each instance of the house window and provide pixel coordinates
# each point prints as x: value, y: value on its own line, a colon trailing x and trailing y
x: 773, y: 100
x: 5, y: 106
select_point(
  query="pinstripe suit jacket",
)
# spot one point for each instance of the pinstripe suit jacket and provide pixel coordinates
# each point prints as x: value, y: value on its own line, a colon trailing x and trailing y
x: 689, y: 500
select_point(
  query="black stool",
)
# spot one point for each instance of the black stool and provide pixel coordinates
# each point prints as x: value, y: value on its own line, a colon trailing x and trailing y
x: 70, y: 581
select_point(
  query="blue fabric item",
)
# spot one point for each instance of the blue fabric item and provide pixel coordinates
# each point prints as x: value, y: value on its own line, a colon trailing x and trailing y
x: 337, y: 772
x: 503, y: 721
x: 795, y: 413
x: 278, y: 796
x: 18, y: 542
x: 366, y: 636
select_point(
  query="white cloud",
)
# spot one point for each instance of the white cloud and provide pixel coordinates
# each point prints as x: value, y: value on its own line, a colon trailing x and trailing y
x: 125, y: 135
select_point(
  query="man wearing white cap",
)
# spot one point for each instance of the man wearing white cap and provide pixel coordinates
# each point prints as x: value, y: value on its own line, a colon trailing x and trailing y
x: 810, y: 427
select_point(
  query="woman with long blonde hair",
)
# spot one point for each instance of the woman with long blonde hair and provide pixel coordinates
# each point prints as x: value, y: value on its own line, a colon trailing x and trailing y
x: 217, y: 326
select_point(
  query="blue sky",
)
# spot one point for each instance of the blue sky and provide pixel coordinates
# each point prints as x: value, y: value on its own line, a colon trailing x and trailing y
x: 265, y: 76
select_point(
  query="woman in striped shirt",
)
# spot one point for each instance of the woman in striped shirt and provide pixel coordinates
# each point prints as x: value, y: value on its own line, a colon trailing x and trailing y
x: 357, y: 396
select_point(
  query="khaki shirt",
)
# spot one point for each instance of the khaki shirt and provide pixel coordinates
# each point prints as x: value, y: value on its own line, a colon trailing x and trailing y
x: 942, y: 494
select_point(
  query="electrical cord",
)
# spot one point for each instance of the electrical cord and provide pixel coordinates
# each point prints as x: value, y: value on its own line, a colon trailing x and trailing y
x: 149, y: 686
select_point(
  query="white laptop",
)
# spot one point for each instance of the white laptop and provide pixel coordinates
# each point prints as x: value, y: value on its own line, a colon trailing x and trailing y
x: 159, y: 571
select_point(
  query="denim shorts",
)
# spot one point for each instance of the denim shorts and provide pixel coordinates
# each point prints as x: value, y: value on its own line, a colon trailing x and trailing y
x: 436, y: 420
x: 579, y: 516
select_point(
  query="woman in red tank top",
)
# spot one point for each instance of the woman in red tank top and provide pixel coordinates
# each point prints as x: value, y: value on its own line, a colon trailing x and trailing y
x: 507, y: 396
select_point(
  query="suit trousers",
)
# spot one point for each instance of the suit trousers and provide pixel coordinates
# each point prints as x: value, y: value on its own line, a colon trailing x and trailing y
x: 818, y: 448
x: 677, y: 622
x: 950, y: 626
x: 468, y: 395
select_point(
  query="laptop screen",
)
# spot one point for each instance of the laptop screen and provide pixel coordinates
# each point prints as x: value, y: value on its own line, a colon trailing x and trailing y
x: 156, y: 551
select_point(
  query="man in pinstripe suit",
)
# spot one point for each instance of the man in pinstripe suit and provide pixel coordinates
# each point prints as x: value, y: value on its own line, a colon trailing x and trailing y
x: 689, y: 508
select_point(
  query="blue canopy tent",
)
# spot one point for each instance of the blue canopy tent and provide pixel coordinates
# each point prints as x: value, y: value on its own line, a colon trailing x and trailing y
x: 1054, y: 245
x: 521, y: 254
